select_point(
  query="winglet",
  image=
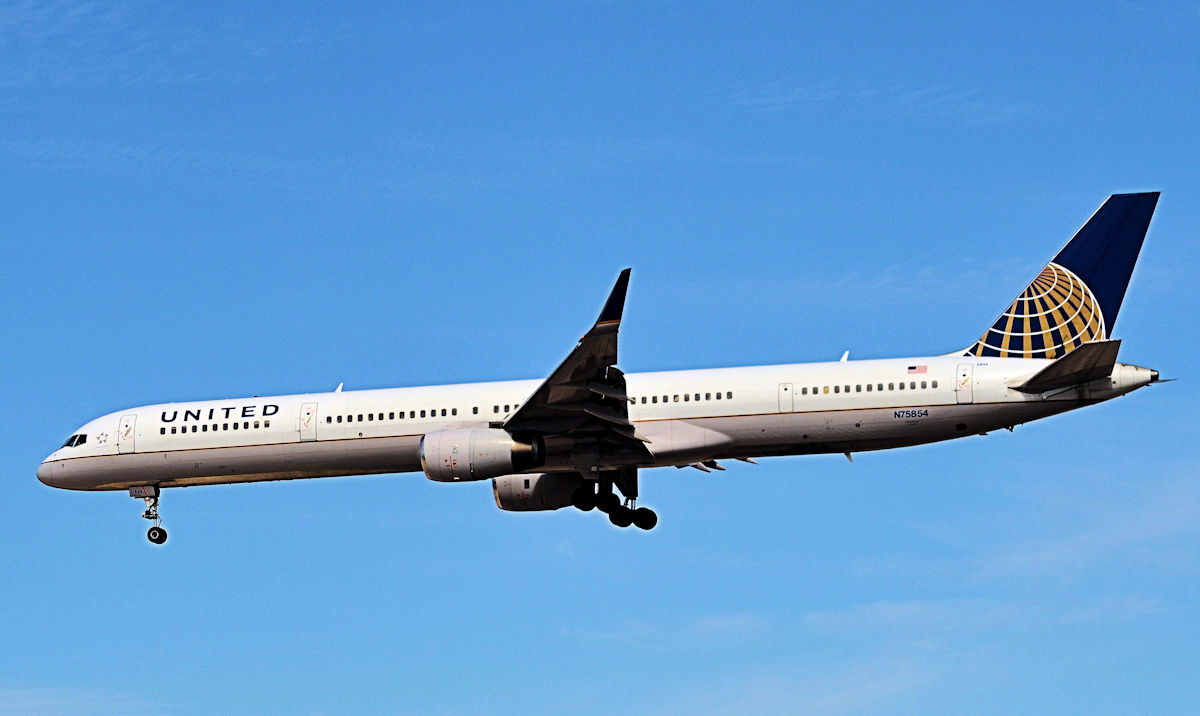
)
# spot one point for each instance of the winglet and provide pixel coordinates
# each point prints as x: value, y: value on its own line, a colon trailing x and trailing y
x: 615, y: 305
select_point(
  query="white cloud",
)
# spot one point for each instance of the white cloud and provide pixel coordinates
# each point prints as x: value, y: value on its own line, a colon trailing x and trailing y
x: 15, y: 700
x: 972, y: 106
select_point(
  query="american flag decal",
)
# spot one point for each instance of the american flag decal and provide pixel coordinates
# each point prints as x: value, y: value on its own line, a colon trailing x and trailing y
x: 915, y: 369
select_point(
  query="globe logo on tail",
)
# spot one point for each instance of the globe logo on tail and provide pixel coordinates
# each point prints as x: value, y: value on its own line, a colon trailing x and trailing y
x: 1056, y: 314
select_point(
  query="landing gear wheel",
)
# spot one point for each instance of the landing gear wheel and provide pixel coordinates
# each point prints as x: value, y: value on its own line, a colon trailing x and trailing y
x: 621, y: 516
x: 608, y: 502
x: 584, y: 498
x: 645, y: 518
x: 156, y: 534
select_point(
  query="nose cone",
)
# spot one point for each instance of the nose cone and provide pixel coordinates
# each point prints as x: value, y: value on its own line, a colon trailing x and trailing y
x: 45, y: 473
x: 53, y: 473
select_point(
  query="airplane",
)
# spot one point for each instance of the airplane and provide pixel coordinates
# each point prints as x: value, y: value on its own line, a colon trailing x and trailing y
x: 582, y: 434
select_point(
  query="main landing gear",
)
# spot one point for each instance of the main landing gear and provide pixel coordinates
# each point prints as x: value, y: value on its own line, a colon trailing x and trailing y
x: 621, y: 513
x: 149, y: 493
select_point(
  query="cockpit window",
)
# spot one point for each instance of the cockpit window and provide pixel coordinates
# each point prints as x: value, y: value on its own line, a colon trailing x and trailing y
x: 75, y: 441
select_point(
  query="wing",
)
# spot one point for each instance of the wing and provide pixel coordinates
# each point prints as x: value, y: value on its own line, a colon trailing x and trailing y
x: 584, y: 398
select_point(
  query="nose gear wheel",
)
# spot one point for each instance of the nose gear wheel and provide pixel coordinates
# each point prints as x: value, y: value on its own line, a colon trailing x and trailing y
x: 157, y: 533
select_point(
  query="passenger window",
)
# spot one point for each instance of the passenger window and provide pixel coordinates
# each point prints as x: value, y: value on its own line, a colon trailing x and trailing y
x: 162, y: 431
x: 225, y: 426
x: 686, y: 397
x: 495, y: 408
x: 923, y: 385
x: 825, y: 390
x: 697, y: 396
x: 654, y: 399
x: 912, y: 385
x: 412, y: 414
x: 172, y: 431
x: 718, y: 396
x: 422, y: 413
x: 676, y: 398
x: 193, y: 428
x: 708, y: 396
x: 204, y: 428
x: 443, y: 412
x: 847, y: 389
x: 643, y: 400
x: 804, y: 390
x: 371, y: 416
x: 266, y: 423
x: 246, y: 425
x: 858, y: 389
x: 235, y: 425
x: 837, y: 388
x: 506, y: 409
x: 454, y: 411
x: 881, y: 387
x: 339, y: 419
x: 729, y: 395
x: 891, y: 386
x: 256, y: 425
x: 934, y: 385
x: 901, y: 386
x: 868, y: 387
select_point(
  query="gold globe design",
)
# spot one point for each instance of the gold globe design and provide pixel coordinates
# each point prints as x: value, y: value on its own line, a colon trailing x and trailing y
x: 1056, y: 314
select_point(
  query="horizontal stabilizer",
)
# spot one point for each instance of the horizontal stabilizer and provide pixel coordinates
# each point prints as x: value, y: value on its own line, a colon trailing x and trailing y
x: 1087, y: 362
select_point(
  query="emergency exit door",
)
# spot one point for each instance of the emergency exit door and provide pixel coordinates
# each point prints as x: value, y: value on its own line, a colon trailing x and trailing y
x: 308, y: 422
x: 964, y: 385
x: 786, y: 404
x: 127, y: 434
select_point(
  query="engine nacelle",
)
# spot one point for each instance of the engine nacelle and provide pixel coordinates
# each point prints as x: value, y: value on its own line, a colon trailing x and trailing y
x: 461, y: 455
x: 539, y: 491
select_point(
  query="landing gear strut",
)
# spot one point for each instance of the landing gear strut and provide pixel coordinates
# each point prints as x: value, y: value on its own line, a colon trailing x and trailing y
x: 149, y: 493
x: 621, y: 513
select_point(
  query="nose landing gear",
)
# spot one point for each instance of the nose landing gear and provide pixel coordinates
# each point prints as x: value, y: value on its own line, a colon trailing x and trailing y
x: 149, y: 493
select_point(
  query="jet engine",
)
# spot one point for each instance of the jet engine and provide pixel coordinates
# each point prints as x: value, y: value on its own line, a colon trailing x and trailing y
x: 539, y: 491
x: 459, y: 455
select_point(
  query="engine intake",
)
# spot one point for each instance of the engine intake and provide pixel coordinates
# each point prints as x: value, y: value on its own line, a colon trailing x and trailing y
x: 539, y: 491
x: 459, y: 455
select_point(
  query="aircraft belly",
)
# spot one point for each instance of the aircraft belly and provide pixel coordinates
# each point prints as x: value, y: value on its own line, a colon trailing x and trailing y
x: 283, y: 461
x: 853, y: 430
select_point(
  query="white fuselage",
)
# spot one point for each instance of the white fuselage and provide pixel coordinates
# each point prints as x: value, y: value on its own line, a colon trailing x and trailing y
x: 687, y: 417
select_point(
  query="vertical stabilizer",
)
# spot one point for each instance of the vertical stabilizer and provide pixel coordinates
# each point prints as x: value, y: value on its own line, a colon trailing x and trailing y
x: 1075, y: 299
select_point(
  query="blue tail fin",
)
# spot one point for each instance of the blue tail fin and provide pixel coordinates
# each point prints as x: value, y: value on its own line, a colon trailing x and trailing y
x: 1075, y: 299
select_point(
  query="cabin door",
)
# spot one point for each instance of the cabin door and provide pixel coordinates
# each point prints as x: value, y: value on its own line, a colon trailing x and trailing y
x: 126, y: 434
x: 785, y: 398
x: 964, y: 386
x: 308, y: 422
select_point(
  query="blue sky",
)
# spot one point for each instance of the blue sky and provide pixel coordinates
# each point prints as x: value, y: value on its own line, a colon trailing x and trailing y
x: 228, y: 200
